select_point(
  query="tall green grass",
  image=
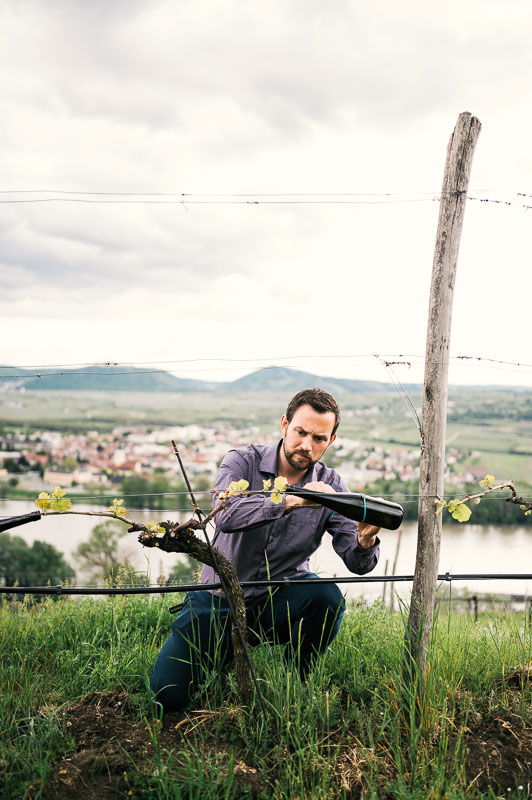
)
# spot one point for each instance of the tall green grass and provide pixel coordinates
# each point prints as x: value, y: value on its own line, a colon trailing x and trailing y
x: 353, y: 729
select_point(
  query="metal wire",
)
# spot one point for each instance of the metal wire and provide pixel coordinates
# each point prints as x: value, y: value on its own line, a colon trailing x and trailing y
x: 197, y: 587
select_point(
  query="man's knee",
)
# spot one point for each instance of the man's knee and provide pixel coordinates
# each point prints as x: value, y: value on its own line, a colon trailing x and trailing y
x: 329, y: 596
x: 327, y: 610
x: 313, y: 611
x: 172, y: 677
x: 316, y: 622
x: 325, y: 600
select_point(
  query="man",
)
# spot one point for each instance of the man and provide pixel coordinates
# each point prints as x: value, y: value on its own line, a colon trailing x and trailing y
x: 270, y: 541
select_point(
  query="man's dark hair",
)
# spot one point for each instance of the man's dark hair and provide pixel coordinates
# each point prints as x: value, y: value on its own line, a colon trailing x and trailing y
x: 320, y: 400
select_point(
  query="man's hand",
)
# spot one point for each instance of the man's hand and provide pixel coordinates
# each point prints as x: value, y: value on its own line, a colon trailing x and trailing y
x: 292, y: 501
x: 366, y: 534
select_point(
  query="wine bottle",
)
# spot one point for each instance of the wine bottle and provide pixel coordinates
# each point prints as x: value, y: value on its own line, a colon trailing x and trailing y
x: 13, y: 522
x: 357, y: 506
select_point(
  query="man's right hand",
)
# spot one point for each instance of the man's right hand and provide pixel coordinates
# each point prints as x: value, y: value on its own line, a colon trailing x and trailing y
x: 292, y: 501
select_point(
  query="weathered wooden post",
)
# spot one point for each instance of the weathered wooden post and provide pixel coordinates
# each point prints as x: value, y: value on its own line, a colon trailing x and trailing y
x: 434, y: 413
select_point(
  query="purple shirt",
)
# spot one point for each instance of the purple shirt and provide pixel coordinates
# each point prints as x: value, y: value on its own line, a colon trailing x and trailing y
x: 267, y: 541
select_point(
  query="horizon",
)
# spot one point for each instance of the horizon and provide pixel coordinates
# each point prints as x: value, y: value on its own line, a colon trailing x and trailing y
x: 130, y: 369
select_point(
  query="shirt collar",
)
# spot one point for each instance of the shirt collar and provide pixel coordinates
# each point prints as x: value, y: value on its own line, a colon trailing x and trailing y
x: 268, y: 462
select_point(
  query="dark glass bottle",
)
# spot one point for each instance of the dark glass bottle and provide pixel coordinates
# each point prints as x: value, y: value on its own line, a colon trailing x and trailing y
x: 6, y: 523
x: 360, y: 507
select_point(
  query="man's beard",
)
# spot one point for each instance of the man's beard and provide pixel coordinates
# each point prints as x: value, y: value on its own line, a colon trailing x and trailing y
x: 299, y: 466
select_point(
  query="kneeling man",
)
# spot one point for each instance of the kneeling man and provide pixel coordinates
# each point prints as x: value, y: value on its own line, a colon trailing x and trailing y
x: 266, y: 541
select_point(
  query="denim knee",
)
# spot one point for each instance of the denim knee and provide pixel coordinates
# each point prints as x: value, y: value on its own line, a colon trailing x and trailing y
x: 328, y: 605
x: 325, y: 599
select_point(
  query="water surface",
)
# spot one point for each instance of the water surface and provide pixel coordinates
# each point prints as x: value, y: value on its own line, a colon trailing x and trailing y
x: 464, y: 549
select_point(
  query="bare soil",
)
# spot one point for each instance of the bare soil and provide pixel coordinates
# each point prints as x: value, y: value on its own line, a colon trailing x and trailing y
x: 499, y: 753
x: 110, y: 752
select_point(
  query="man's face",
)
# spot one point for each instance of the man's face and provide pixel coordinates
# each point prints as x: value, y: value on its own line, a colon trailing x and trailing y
x: 306, y: 437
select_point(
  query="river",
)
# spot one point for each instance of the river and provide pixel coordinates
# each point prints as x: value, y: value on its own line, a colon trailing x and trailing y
x: 464, y: 549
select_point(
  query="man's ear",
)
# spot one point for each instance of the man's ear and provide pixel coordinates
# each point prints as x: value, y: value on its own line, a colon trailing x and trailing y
x: 284, y: 424
x: 333, y: 437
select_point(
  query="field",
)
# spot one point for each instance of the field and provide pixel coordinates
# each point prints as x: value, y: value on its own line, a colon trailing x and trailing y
x: 493, y: 428
x: 77, y: 720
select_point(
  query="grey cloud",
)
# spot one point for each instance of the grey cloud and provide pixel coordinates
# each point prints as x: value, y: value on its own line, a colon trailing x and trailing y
x: 95, y: 250
x: 270, y: 82
x: 310, y: 67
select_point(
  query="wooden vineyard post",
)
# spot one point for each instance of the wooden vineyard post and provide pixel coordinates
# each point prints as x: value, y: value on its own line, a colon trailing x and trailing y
x: 434, y: 411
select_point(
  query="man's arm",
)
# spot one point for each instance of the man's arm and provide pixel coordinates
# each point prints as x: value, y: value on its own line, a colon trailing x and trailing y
x: 351, y: 547
x: 246, y: 511
x: 357, y: 544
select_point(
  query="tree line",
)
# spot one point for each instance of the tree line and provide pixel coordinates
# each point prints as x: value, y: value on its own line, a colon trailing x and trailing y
x: 99, y: 559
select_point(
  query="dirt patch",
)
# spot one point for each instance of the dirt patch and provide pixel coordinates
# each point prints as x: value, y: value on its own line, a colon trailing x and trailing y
x: 112, y: 755
x: 353, y: 765
x: 499, y: 752
x: 518, y: 677
x: 108, y: 744
x: 112, y: 751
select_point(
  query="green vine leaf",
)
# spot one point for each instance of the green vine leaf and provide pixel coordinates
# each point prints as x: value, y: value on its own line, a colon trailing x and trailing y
x: 117, y: 508
x: 461, y: 512
x: 235, y: 487
x: 279, y: 485
x: 44, y: 502
x: 154, y: 527
x: 487, y: 481
x: 60, y: 504
x: 54, y: 502
x: 440, y: 505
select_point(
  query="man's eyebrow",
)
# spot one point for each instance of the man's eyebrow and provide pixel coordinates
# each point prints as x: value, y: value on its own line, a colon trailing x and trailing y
x: 321, y: 436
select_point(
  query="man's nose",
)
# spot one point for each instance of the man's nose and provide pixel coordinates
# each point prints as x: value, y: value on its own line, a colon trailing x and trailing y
x: 306, y: 444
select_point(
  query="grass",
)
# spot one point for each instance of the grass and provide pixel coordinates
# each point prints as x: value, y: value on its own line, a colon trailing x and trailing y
x: 70, y: 670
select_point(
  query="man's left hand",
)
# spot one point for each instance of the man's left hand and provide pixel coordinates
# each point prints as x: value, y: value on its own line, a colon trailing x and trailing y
x: 367, y: 534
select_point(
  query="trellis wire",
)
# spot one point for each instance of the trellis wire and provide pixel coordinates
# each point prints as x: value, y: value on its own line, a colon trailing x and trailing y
x: 196, y: 587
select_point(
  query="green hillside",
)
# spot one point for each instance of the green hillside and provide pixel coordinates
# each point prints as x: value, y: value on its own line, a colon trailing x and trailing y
x: 99, y: 378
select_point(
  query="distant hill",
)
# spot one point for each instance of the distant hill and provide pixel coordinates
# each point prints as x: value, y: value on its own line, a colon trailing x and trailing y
x: 285, y: 379
x: 99, y: 379
x: 132, y: 379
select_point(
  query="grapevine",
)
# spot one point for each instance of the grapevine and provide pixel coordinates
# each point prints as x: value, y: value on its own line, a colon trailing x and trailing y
x: 460, y: 511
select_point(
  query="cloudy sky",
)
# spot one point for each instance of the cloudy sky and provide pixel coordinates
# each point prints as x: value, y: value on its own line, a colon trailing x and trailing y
x: 222, y: 185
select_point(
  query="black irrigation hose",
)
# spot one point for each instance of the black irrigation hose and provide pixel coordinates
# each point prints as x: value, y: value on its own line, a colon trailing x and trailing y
x: 196, y: 587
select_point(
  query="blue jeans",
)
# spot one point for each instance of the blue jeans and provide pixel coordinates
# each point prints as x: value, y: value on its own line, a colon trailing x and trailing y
x: 306, y: 617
